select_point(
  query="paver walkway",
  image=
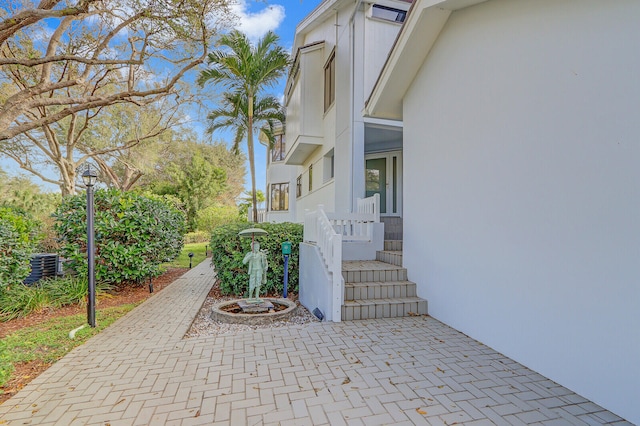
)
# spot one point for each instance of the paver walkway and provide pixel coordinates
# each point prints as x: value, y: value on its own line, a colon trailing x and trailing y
x: 140, y: 371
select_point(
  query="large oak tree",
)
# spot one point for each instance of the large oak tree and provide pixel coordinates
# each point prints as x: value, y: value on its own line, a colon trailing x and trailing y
x: 62, y: 63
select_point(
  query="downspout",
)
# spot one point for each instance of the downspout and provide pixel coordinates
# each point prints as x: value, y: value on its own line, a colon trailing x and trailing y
x: 352, y: 106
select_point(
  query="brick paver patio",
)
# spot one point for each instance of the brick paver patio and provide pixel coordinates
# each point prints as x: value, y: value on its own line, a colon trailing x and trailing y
x: 140, y: 371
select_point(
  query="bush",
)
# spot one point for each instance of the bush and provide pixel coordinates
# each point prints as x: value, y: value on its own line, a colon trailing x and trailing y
x: 214, y: 216
x: 18, y: 239
x: 196, y: 237
x: 135, y: 234
x: 228, y: 250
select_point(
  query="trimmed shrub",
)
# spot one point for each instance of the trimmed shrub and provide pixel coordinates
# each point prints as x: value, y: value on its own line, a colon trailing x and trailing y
x: 18, y: 239
x: 228, y: 250
x: 135, y: 234
x: 196, y: 237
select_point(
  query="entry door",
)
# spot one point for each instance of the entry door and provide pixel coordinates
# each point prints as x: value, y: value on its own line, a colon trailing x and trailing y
x: 383, y: 175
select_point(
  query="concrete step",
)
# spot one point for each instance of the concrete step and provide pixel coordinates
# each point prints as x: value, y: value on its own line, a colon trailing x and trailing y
x: 358, y: 271
x: 393, y: 245
x: 379, y: 290
x: 383, y: 308
x: 390, y: 256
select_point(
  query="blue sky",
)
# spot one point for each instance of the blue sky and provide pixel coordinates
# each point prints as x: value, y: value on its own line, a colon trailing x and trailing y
x: 255, y: 18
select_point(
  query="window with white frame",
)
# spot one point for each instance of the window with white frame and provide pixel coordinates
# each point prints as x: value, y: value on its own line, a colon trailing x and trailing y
x: 279, y: 197
x: 278, y: 150
x: 299, y: 186
x: 330, y: 81
x: 328, y: 166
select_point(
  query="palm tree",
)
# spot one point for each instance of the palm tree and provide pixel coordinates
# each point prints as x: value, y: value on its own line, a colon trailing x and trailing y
x: 245, y: 70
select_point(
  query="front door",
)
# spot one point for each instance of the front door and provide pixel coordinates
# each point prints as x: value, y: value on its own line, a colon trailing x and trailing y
x: 383, y: 175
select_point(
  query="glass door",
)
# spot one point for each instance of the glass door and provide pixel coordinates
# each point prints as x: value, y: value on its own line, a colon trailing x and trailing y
x: 376, y: 180
x: 383, y: 175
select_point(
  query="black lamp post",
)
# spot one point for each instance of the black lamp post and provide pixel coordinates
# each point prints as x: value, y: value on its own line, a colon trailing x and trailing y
x: 90, y: 177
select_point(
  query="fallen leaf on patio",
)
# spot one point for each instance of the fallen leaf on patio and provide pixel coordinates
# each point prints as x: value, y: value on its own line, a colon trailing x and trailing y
x: 197, y: 414
x: 413, y: 314
x: 346, y: 381
x: 420, y: 411
x: 122, y: 400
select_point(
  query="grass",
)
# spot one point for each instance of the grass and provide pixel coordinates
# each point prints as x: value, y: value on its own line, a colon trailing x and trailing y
x: 49, y: 341
x: 182, y: 261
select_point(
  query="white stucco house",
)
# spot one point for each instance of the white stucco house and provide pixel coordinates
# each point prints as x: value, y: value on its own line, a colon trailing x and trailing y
x: 502, y: 139
x: 521, y: 205
x: 339, y: 50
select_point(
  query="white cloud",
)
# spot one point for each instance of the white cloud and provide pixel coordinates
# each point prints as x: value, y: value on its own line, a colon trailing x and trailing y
x: 256, y: 24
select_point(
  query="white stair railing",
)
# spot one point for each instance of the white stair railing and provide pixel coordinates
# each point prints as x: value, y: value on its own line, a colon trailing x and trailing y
x: 318, y: 229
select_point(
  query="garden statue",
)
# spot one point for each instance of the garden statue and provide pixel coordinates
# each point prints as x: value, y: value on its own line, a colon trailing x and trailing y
x: 257, y: 270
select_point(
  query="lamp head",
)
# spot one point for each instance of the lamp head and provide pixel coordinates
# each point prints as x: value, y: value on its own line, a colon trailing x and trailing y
x: 89, y: 176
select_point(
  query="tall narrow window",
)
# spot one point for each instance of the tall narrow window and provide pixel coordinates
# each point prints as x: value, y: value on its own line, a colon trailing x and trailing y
x: 330, y: 81
x: 278, y: 151
x: 310, y: 177
x: 279, y: 196
x: 299, y: 186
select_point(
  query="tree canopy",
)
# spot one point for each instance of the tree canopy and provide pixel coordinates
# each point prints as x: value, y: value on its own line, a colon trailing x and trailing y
x: 60, y: 58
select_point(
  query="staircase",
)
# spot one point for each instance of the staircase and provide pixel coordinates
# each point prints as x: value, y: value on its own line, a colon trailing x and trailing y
x: 379, y: 288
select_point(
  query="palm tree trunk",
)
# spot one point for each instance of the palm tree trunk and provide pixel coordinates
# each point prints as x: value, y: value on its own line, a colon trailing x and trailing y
x: 252, y: 163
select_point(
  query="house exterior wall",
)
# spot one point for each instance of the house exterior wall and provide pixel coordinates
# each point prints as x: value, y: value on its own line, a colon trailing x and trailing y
x: 522, y: 188
x: 278, y: 172
x: 361, y: 46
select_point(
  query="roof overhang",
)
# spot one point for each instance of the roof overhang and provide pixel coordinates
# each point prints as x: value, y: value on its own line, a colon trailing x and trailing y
x: 421, y: 29
x: 301, y: 149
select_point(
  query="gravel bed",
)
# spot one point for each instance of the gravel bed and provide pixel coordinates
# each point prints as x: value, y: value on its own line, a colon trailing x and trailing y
x: 204, y: 326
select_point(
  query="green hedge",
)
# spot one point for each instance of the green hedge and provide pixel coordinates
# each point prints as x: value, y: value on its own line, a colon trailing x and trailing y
x: 18, y: 239
x: 228, y: 250
x: 135, y: 234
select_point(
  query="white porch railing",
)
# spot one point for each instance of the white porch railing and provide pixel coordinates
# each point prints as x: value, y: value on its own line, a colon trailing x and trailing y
x: 358, y: 226
x: 319, y: 230
x: 369, y: 206
x: 262, y: 215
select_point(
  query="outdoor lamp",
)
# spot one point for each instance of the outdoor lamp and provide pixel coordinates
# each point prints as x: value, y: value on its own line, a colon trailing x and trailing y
x: 190, y: 257
x: 89, y: 176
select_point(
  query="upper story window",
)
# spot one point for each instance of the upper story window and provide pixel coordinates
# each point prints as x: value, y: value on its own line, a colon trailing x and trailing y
x: 388, y: 13
x: 330, y: 81
x: 299, y: 186
x: 279, y: 149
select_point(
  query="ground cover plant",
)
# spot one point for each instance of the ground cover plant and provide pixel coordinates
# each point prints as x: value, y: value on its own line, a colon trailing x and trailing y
x: 228, y: 251
x: 51, y: 293
x: 135, y: 234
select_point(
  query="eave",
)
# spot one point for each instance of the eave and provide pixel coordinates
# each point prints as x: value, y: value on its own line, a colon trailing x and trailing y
x: 424, y: 23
